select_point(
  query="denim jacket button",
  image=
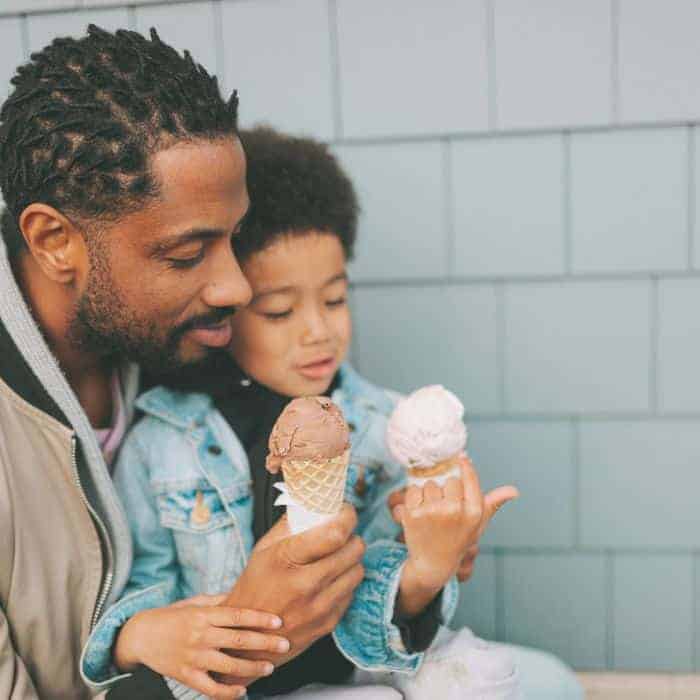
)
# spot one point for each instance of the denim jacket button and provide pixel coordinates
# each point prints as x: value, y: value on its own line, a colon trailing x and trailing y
x: 351, y: 425
x: 214, y: 450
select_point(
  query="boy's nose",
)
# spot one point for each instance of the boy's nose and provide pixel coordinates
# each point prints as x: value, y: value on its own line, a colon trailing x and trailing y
x: 317, y: 329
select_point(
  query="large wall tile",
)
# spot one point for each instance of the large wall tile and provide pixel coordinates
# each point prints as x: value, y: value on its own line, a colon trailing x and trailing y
x: 577, y: 347
x: 653, y: 613
x: 639, y: 482
x: 557, y: 603
x: 477, y: 599
x: 406, y: 68
x: 11, y: 53
x: 43, y: 29
x: 411, y: 336
x: 190, y: 26
x: 278, y: 56
x: 538, y: 459
x: 553, y: 62
x: 679, y: 345
x: 658, y: 56
x: 37, y: 5
x: 403, y: 227
x: 629, y: 201
x: 508, y: 196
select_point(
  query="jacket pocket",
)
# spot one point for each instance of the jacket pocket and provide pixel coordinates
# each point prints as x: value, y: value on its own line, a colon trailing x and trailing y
x: 209, y: 535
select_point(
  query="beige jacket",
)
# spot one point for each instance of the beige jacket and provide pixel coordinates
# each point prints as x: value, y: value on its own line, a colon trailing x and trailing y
x: 64, y: 541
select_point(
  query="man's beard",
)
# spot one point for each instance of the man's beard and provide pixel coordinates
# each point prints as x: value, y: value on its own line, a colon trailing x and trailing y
x: 104, y: 325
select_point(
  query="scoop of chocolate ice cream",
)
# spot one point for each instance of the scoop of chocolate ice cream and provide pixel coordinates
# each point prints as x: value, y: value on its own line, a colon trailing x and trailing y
x: 310, y: 427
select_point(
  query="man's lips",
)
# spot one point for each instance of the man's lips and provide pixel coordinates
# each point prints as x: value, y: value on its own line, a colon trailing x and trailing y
x: 214, y: 336
x: 318, y: 369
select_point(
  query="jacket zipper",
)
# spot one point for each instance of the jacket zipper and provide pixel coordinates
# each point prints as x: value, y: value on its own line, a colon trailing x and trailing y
x: 106, y: 587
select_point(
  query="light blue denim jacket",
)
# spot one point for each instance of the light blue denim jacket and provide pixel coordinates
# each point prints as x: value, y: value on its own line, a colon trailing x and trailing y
x: 185, y: 483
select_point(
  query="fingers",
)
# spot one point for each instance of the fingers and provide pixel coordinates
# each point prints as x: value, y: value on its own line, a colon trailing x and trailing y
x: 470, y: 482
x: 414, y: 497
x: 339, y: 563
x: 218, y: 662
x: 220, y: 638
x: 398, y: 513
x: 319, y: 542
x: 396, y: 498
x: 279, y: 531
x: 497, y: 498
x: 201, y: 601
x: 337, y: 596
x: 453, y: 489
x: 224, y: 616
x: 204, y: 683
x: 432, y: 493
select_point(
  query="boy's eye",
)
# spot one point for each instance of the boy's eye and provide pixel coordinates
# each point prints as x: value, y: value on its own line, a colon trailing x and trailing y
x: 185, y: 263
x: 336, y: 302
x: 276, y: 315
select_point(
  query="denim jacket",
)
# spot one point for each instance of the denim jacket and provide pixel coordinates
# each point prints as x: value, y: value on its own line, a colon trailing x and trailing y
x: 185, y: 482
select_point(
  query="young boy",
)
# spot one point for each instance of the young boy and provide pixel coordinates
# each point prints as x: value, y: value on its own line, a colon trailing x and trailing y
x: 192, y: 474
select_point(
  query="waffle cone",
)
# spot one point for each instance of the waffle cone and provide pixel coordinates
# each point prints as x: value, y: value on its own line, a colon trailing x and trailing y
x: 435, y: 469
x: 317, y: 485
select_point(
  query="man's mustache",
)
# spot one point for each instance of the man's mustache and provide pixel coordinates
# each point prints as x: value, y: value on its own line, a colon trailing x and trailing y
x: 212, y: 318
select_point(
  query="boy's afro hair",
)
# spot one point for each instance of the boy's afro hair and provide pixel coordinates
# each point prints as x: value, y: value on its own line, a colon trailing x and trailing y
x: 295, y: 186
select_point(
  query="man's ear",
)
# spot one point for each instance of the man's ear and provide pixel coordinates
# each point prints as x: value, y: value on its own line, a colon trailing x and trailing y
x: 54, y: 242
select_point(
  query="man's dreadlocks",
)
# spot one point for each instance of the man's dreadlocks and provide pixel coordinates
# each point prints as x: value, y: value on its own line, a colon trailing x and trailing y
x: 85, y: 115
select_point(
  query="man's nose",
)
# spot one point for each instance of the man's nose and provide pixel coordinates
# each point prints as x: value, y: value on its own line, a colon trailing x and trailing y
x: 228, y: 285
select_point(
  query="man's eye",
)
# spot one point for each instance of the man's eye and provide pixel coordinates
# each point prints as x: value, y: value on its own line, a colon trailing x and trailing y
x: 277, y: 315
x: 185, y: 263
x: 336, y: 302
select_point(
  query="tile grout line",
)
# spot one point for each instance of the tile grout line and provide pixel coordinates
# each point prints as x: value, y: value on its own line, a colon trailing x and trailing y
x: 610, y: 611
x: 567, y: 204
x: 336, y: 92
x: 491, y: 80
x: 449, y: 208
x: 218, y: 19
x: 576, y: 461
x: 501, y: 341
x: 615, y: 61
x: 654, y: 347
x: 692, y: 175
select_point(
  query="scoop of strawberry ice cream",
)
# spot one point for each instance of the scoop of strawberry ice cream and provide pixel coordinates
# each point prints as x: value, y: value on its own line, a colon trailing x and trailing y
x: 427, y: 427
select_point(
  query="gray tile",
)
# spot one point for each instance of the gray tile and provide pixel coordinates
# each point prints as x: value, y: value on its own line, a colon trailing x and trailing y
x: 577, y: 347
x: 653, y: 613
x: 477, y: 599
x: 11, y: 53
x: 277, y: 55
x: 679, y: 345
x: 37, y: 5
x: 43, y: 29
x: 658, y: 55
x: 411, y: 336
x: 409, y: 67
x: 557, y: 603
x: 508, y: 204
x: 629, y: 200
x: 695, y: 194
x: 623, y: 503
x: 552, y: 62
x: 189, y: 26
x: 537, y: 458
x: 403, y: 228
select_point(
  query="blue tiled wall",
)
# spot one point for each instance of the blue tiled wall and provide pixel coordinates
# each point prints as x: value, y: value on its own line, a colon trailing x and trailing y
x: 528, y: 174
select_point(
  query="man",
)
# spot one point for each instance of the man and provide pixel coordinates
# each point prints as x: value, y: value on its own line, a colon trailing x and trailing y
x: 124, y: 181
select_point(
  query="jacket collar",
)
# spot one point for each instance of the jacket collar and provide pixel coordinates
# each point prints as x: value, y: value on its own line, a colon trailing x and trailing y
x: 183, y: 410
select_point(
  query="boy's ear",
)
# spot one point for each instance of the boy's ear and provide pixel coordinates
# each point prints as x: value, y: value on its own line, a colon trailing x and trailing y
x: 54, y: 242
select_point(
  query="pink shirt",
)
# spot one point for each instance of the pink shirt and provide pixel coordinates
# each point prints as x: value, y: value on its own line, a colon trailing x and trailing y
x: 110, y: 438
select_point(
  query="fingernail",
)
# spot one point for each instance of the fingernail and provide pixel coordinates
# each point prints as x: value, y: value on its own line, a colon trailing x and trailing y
x: 268, y: 669
x: 276, y: 622
x: 283, y: 645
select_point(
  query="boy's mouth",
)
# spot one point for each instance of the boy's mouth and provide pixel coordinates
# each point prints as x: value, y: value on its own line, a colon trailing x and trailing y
x: 318, y: 369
